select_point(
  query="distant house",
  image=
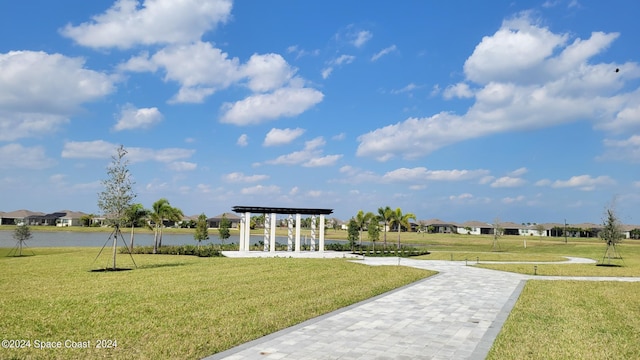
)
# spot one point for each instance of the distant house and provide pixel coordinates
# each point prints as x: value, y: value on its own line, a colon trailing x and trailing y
x: 20, y: 217
x: 32, y: 218
x: 69, y: 218
x: 439, y: 226
x: 214, y: 222
x: 511, y: 228
x: 474, y: 227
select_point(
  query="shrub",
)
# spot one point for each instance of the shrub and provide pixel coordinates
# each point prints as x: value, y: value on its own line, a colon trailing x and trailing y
x: 204, y: 251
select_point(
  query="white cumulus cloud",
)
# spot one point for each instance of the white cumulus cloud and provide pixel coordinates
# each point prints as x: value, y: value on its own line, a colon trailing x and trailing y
x: 526, y: 77
x: 259, y: 108
x: 32, y: 107
x: 134, y: 118
x: 236, y: 177
x: 282, y: 136
x: 128, y: 23
x: 583, y: 182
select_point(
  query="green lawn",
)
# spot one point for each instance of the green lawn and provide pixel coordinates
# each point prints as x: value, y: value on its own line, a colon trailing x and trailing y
x: 187, y: 307
x: 572, y: 320
x: 172, y: 306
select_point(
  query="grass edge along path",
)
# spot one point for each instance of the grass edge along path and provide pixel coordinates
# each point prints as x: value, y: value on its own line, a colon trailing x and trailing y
x: 172, y: 306
x: 572, y: 320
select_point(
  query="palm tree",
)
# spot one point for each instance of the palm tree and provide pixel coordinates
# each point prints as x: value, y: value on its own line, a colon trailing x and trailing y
x: 362, y: 220
x: 162, y: 210
x: 400, y: 219
x: 384, y: 215
x: 134, y: 214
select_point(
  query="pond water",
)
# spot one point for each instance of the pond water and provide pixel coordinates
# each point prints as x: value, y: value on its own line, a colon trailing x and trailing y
x: 99, y: 239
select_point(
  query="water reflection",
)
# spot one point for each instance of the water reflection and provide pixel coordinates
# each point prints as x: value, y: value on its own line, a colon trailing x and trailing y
x: 98, y: 239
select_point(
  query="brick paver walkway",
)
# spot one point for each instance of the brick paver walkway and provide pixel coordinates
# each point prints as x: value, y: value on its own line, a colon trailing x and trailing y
x: 455, y: 314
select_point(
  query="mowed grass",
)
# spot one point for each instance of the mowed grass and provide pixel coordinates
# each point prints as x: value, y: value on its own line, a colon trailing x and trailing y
x: 572, y: 320
x: 178, y: 307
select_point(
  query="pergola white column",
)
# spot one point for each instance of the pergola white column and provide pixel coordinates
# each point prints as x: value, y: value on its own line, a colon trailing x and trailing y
x: 321, y: 249
x: 246, y: 238
x: 312, y: 246
x: 267, y: 232
x: 297, y: 233
x: 243, y: 221
x: 272, y: 246
x: 290, y: 233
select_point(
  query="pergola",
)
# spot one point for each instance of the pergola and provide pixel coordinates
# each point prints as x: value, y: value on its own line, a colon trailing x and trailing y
x: 270, y: 226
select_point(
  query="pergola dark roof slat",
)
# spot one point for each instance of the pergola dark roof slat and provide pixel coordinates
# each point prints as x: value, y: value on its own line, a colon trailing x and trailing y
x: 281, y: 210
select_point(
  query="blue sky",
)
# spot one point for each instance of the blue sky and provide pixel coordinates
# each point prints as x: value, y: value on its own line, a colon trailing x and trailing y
x: 501, y: 110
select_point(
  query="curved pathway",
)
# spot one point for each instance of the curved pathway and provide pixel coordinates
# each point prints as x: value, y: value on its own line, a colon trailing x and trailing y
x: 455, y: 314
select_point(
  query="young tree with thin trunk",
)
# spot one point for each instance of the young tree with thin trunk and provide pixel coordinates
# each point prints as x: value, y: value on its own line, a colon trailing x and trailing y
x: 373, y: 231
x: 202, y: 231
x: 497, y: 233
x: 384, y: 215
x: 22, y: 233
x: 117, y: 195
x: 352, y: 233
x: 223, y: 231
x: 611, y: 234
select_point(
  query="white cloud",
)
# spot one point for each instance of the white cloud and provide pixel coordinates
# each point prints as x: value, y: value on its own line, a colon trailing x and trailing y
x: 516, y: 51
x: 30, y: 106
x: 528, y: 78
x: 210, y: 69
x: 327, y: 160
x: 459, y: 90
x: 584, y: 182
x: 511, y: 200
x: 100, y: 149
x: 243, y: 140
x: 294, y: 49
x: 326, y: 72
x: 383, y: 52
x: 134, y: 118
x: 16, y: 156
x: 543, y: 182
x: 361, y: 37
x: 519, y: 172
x: 339, y: 61
x: 267, y: 72
x: 625, y: 121
x: 282, y: 136
x: 408, y: 88
x: 463, y: 196
x: 622, y: 150
x: 508, y: 181
x: 261, y: 190
x: 310, y: 156
x: 423, y: 174
x: 182, y: 166
x: 256, y: 109
x: 236, y: 177
x: 127, y: 24
x: 339, y: 137
x: 204, y: 188
x: 276, y: 91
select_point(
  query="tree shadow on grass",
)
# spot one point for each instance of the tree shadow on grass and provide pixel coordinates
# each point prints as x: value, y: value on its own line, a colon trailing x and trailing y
x: 110, y: 269
x: 153, y: 266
